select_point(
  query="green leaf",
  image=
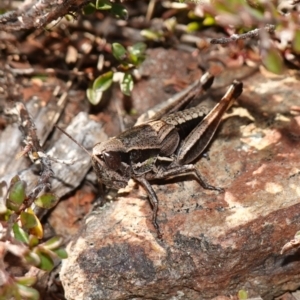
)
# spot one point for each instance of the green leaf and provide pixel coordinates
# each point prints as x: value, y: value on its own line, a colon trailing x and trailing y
x: 10, y: 291
x: 46, y: 201
x: 272, y: 60
x: 53, y: 243
x: 61, y: 253
x: 41, y: 77
x: 296, y: 41
x: 33, y: 241
x: 138, y: 49
x: 28, y: 220
x: 36, y: 230
x: 2, y: 11
x: 68, y: 18
x: 46, y: 261
x: 242, y: 295
x: 94, y: 96
x: 89, y: 9
x: 28, y: 292
x: 127, y: 84
x: 134, y: 59
x: 20, y: 234
x: 16, y: 195
x: 152, y: 35
x: 103, y: 82
x: 32, y: 258
x: 103, y: 4
x: 118, y: 51
x: 209, y: 21
x: 119, y: 11
x: 137, y: 53
x: 133, y: 112
x: 27, y: 281
x: 193, y: 26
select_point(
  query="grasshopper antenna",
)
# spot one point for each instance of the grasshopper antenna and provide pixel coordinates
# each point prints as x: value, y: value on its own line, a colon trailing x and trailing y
x: 72, y: 139
x: 84, y: 149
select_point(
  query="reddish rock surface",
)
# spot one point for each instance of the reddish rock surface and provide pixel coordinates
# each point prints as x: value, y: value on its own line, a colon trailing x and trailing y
x: 213, y: 244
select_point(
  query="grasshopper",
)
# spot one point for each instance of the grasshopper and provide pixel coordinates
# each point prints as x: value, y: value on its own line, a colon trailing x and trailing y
x: 164, y: 146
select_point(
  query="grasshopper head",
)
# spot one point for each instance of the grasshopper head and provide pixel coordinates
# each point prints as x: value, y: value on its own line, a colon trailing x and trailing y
x: 110, y: 163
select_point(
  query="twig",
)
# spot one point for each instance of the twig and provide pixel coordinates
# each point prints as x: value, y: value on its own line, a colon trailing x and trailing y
x: 30, y: 139
x: 38, y: 14
x: 34, y: 151
x: 48, y: 71
x: 150, y: 10
x: 235, y: 37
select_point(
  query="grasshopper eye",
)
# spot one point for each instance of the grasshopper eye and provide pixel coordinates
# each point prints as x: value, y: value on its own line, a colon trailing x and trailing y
x: 112, y: 159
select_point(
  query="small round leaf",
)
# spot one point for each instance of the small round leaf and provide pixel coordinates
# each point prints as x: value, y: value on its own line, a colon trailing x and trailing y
x: 103, y: 4
x: 46, y: 261
x: 137, y: 53
x: 36, y: 230
x: 118, y: 51
x: 47, y: 200
x: 20, y: 234
x: 28, y: 220
x: 127, y: 84
x: 33, y: 259
x: 209, y: 21
x: 193, y: 26
x: 152, y: 35
x: 119, y: 11
x: 89, y: 9
x: 28, y: 292
x: 16, y: 195
x: 242, y: 295
x: 272, y: 60
x: 138, y: 48
x: 53, y: 243
x: 27, y: 281
x: 61, y: 253
x: 94, y: 96
x: 33, y: 241
x: 103, y: 82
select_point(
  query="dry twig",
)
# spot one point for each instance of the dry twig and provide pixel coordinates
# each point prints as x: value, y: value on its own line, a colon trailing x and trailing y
x: 39, y: 13
x: 30, y: 139
x: 235, y: 37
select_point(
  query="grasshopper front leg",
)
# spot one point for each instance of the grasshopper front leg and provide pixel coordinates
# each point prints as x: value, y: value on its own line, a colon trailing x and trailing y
x: 181, y: 170
x: 153, y: 200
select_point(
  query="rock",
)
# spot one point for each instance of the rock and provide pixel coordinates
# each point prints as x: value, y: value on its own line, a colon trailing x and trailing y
x: 213, y: 243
